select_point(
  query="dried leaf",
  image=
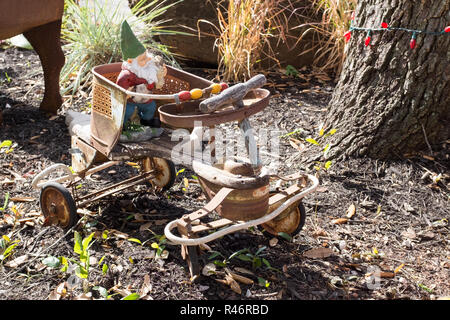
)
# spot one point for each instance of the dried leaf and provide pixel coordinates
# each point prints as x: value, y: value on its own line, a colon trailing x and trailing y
x: 296, y: 144
x: 386, y: 274
x: 118, y: 234
x: 319, y: 233
x: 233, y: 284
x: 145, y: 227
x: 244, y: 271
x: 273, y: 242
x: 60, y: 291
x: 240, y: 278
x: 351, y: 211
x: 17, y: 261
x: 339, y: 221
x: 164, y: 254
x: 146, y: 286
x: 318, y: 253
x: 409, y: 233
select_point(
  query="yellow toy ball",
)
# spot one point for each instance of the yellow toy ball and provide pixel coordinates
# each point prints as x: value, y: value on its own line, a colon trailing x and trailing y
x: 216, y: 88
x: 196, y: 94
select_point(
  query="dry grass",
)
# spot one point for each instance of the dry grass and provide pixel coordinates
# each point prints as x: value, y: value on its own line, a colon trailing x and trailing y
x: 328, y: 34
x: 246, y: 27
x: 243, y: 33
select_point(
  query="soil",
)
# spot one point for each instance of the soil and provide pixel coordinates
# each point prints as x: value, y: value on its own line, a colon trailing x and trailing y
x: 395, y: 246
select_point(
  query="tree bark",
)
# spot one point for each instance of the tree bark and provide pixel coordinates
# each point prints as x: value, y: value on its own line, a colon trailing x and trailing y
x: 390, y: 99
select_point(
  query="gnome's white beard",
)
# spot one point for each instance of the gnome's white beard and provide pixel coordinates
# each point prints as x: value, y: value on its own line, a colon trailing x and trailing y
x: 148, y: 72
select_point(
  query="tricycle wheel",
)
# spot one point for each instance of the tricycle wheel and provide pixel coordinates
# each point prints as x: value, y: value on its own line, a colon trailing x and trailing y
x: 164, y: 172
x: 57, y: 206
x: 290, y: 223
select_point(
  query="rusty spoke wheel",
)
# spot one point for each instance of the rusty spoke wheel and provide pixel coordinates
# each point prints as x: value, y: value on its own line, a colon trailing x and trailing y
x: 290, y: 222
x: 57, y: 206
x: 164, y: 172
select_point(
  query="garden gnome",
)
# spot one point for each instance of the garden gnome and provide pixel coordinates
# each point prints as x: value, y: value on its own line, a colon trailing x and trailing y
x: 141, y: 72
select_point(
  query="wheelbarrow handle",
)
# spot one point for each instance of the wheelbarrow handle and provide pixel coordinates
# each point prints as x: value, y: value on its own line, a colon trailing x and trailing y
x: 232, y: 94
x: 245, y: 225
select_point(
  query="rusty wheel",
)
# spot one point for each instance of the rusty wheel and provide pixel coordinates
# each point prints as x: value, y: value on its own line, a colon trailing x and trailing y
x: 290, y: 222
x: 164, y: 171
x: 58, y: 206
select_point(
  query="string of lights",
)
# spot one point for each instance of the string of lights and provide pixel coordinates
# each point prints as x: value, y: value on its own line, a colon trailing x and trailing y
x: 385, y: 27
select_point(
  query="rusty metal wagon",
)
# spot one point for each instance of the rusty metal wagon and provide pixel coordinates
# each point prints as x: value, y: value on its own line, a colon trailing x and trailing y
x: 238, y: 190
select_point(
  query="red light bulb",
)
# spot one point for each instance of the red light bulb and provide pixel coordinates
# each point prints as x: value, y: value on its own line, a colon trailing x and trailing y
x: 447, y: 29
x: 347, y: 36
x: 412, y: 43
x: 367, y: 42
x: 384, y: 25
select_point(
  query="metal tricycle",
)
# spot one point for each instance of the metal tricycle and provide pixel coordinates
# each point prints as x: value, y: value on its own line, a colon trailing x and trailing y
x: 238, y: 190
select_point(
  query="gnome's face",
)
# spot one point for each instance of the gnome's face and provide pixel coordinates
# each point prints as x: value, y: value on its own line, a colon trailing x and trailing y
x: 149, y: 67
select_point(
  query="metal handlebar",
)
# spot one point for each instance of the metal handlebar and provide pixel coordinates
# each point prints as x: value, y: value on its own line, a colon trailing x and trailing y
x: 240, y: 226
x: 57, y: 166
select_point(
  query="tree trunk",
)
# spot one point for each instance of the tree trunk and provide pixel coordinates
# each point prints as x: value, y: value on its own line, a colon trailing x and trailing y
x: 391, y: 99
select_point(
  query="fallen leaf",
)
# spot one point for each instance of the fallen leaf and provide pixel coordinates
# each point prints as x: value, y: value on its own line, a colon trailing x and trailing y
x: 318, y: 253
x: 138, y: 217
x: 145, y: 227
x: 298, y: 146
x: 146, y: 286
x: 118, y: 234
x: 351, y: 211
x: 339, y: 221
x: 244, y: 271
x: 386, y: 274
x: 426, y: 235
x: 240, y: 278
x: 233, y: 284
x: 60, y: 291
x: 319, y: 233
x: 161, y: 222
x: 409, y: 233
x: 273, y: 242
x: 164, y: 254
x: 17, y: 261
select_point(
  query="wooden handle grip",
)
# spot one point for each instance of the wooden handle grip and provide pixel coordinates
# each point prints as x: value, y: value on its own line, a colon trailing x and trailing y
x: 232, y: 94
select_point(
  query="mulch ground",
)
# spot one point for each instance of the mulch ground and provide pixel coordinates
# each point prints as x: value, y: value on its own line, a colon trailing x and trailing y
x: 394, y: 246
